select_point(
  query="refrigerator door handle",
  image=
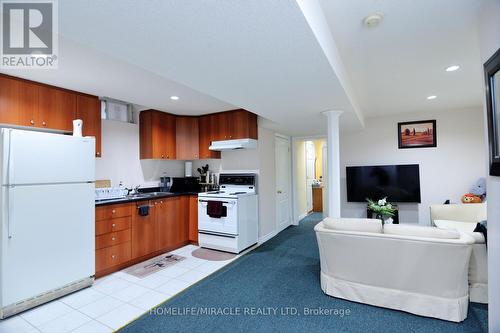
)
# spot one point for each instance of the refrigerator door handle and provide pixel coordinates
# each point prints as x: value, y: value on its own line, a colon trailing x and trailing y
x: 10, y: 226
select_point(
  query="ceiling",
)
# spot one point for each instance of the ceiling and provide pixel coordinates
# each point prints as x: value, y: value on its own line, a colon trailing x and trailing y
x: 396, y: 65
x: 284, y: 60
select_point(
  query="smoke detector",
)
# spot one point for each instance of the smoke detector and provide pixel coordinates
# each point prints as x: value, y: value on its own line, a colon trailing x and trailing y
x: 373, y: 20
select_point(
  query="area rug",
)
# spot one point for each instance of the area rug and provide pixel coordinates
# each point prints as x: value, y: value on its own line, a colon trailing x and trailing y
x: 276, y: 288
x: 153, y: 265
x: 212, y: 255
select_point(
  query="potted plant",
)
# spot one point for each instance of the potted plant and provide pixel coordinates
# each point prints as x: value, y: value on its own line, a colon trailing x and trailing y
x: 381, y: 208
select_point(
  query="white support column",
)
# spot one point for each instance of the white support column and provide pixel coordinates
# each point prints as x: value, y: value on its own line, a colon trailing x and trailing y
x: 333, y: 159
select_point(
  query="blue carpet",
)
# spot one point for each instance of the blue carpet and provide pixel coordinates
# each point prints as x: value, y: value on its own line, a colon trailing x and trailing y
x: 284, y: 272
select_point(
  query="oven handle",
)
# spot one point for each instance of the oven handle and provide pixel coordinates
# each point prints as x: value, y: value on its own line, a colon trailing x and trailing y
x: 216, y: 234
x: 226, y: 202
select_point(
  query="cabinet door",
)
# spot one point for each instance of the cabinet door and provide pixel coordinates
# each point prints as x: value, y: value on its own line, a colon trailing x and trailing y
x: 183, y: 220
x: 88, y: 108
x: 144, y: 239
x: 206, y: 125
x: 170, y: 136
x: 242, y: 125
x: 56, y: 108
x: 167, y: 216
x: 187, y: 138
x: 9, y: 100
x: 193, y: 218
x: 221, y: 129
x: 28, y: 104
x: 158, y: 138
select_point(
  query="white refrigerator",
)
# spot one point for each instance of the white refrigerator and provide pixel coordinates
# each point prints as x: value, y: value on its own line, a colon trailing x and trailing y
x: 47, y: 217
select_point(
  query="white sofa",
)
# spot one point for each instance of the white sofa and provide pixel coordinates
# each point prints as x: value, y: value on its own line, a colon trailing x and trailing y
x: 421, y: 270
x: 464, y: 217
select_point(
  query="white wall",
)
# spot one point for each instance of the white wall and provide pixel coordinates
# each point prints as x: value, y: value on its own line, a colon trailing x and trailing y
x: 446, y: 172
x: 299, y: 174
x: 489, y: 40
x: 120, y: 158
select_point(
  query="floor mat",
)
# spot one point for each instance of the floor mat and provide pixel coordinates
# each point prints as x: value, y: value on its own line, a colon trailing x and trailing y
x: 153, y: 265
x: 212, y: 255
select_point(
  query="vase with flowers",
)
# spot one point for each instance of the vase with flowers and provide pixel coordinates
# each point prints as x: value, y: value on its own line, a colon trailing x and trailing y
x: 382, y: 209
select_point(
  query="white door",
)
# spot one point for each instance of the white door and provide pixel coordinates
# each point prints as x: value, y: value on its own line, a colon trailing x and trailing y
x: 283, y: 183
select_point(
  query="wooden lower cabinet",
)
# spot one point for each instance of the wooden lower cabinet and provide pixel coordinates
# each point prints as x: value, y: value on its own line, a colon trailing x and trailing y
x: 144, y: 236
x: 171, y: 215
x: 123, y: 237
x: 193, y: 218
x: 112, y: 256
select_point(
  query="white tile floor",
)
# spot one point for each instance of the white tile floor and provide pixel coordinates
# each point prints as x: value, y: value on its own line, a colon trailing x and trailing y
x: 113, y: 300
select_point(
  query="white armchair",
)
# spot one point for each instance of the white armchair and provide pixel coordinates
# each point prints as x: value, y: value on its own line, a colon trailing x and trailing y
x: 464, y: 218
x: 425, y: 275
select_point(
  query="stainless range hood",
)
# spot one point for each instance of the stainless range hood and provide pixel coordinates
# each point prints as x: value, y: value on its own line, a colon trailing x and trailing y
x: 233, y: 144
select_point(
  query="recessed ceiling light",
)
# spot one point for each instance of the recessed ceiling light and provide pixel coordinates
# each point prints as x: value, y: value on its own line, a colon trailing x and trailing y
x: 373, y: 20
x: 432, y: 97
x: 174, y: 98
x: 452, y: 68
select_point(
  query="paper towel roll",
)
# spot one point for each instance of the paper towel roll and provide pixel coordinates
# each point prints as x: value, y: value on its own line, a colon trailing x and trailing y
x: 77, y: 127
x: 188, y: 172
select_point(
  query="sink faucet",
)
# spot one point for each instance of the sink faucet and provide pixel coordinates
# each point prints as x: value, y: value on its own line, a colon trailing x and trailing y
x: 134, y: 190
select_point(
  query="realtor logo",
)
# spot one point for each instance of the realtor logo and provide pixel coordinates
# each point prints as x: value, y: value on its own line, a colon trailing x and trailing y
x: 29, y: 38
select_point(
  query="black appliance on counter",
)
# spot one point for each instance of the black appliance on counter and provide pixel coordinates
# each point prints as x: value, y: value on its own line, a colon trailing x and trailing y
x: 185, y: 184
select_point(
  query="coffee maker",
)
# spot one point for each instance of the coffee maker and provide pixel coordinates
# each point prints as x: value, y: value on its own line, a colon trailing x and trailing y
x: 165, y: 184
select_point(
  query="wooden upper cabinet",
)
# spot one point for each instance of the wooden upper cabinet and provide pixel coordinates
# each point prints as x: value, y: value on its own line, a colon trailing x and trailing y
x: 88, y: 108
x: 236, y: 124
x: 56, y: 108
x: 18, y: 102
x: 157, y: 135
x: 9, y: 100
x: 207, y: 133
x: 187, y: 138
x: 243, y: 124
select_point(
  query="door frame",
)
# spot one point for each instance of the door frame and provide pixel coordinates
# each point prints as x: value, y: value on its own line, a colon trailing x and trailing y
x: 290, y: 196
x: 296, y: 217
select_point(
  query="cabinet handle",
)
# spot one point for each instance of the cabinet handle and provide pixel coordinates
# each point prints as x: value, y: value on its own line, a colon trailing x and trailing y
x: 162, y: 156
x: 98, y: 154
x: 113, y: 225
x: 161, y: 201
x: 113, y: 238
x: 113, y: 211
x: 113, y: 256
x: 44, y: 123
x: 230, y: 136
x: 32, y: 122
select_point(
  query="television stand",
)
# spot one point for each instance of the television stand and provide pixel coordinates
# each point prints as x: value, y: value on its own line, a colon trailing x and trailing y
x: 395, y: 218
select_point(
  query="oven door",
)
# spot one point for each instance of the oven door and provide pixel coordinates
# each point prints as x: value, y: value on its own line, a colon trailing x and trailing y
x: 227, y: 223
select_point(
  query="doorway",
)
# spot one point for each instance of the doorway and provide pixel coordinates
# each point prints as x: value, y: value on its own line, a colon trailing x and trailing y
x: 309, y: 173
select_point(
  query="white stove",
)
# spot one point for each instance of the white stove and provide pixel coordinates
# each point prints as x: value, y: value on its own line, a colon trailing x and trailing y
x: 228, y: 218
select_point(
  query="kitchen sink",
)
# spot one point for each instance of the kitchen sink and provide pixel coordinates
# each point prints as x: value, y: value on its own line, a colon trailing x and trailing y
x: 138, y: 196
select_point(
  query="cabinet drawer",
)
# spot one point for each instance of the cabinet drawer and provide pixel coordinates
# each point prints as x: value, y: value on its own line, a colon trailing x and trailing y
x: 112, y: 256
x: 112, y: 225
x: 112, y: 239
x: 109, y: 212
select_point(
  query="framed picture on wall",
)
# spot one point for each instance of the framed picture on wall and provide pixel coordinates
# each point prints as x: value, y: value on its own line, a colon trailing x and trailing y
x: 492, y: 85
x: 417, y: 134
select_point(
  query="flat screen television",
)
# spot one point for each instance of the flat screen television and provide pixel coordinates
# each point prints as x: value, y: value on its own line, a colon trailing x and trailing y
x: 399, y: 183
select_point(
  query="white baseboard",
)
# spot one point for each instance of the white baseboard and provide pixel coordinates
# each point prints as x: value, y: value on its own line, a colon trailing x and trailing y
x: 301, y: 216
x: 267, y: 237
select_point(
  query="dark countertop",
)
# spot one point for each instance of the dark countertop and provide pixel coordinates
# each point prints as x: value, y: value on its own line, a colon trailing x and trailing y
x: 144, y: 196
